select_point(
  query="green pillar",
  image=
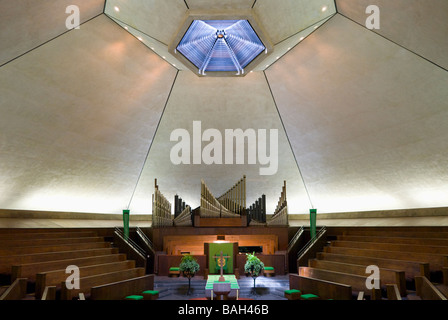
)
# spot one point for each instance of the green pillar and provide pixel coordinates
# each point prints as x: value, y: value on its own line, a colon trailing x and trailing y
x: 126, y: 223
x: 313, y: 219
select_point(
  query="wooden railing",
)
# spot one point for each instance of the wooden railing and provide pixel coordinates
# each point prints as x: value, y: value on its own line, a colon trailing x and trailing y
x: 16, y: 291
x: 310, y: 250
x: 426, y: 290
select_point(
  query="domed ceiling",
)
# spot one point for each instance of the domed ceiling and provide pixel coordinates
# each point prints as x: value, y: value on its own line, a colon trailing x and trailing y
x: 352, y: 119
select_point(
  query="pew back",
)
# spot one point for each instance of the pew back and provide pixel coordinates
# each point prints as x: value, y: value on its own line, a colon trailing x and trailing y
x: 322, y: 288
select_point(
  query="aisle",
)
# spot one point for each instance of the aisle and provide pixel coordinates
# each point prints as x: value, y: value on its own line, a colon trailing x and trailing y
x: 265, y: 288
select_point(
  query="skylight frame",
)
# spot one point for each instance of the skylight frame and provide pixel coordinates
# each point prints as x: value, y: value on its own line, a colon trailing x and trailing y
x: 234, y: 15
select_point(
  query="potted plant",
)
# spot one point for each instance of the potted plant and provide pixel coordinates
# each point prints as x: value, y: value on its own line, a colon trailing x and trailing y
x: 254, y: 266
x: 188, y: 266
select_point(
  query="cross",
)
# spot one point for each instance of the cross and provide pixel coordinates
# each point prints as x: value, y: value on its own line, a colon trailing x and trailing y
x: 221, y: 263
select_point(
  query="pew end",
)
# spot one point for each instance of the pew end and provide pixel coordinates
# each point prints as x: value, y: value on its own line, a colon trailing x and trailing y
x: 393, y: 293
x: 426, y: 290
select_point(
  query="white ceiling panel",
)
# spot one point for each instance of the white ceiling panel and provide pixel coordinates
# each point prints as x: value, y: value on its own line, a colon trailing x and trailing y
x: 219, y: 4
x: 368, y: 130
x: 420, y: 26
x: 284, y: 18
x: 78, y: 116
x: 219, y: 103
x: 26, y: 24
x: 158, y: 19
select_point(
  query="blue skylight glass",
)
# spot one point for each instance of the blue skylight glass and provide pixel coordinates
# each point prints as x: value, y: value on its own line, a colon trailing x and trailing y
x: 220, y: 45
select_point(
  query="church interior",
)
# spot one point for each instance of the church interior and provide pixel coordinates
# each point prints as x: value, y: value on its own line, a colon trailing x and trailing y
x: 224, y: 150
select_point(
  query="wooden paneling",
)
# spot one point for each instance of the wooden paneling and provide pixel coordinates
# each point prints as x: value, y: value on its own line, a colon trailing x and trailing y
x: 194, y: 244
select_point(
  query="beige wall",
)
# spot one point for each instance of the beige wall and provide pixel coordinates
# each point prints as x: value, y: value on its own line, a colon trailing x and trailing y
x: 367, y: 120
x: 78, y: 115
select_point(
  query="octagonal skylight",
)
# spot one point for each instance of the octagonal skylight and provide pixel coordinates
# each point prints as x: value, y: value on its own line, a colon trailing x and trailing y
x: 220, y: 45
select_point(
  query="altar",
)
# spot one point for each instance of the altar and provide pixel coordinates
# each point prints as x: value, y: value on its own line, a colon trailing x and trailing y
x: 228, y: 279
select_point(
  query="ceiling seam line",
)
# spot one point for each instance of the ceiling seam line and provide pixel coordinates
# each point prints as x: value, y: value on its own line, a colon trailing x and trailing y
x: 289, y: 141
x: 152, y: 141
x: 186, y: 4
x: 336, y: 5
x: 397, y: 44
x: 48, y: 41
x: 295, y: 34
x: 254, y: 4
x: 114, y: 18
x: 153, y: 51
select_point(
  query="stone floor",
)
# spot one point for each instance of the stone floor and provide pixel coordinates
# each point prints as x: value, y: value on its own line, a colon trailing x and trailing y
x: 266, y: 288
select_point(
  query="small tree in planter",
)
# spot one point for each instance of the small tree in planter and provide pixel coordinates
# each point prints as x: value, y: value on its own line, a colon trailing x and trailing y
x: 188, y: 266
x: 253, y: 266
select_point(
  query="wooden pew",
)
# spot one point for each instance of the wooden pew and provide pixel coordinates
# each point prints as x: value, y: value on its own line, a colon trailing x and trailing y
x: 49, y: 293
x: 426, y: 290
x: 410, y: 268
x: 376, y: 232
x: 401, y: 240
x: 323, y: 289
x: 46, y: 235
x: 86, y: 283
x: 53, y: 248
x: 358, y: 283
x: 16, y: 291
x: 7, y: 262
x: 46, y: 242
x: 387, y: 275
x: 54, y: 278
x: 121, y: 289
x: 445, y: 275
x: 393, y: 293
x: 435, y: 260
x: 30, y: 270
x: 402, y: 247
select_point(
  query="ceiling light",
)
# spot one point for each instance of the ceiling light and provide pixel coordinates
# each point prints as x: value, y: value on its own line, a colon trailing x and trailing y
x: 117, y: 9
x: 324, y: 9
x: 220, y: 45
x: 302, y: 38
x: 139, y: 38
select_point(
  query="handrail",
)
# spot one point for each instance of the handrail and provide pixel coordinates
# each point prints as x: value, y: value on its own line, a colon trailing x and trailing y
x: 16, y: 291
x: 295, y: 237
x: 129, y: 241
x: 146, y: 240
x: 311, y: 242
